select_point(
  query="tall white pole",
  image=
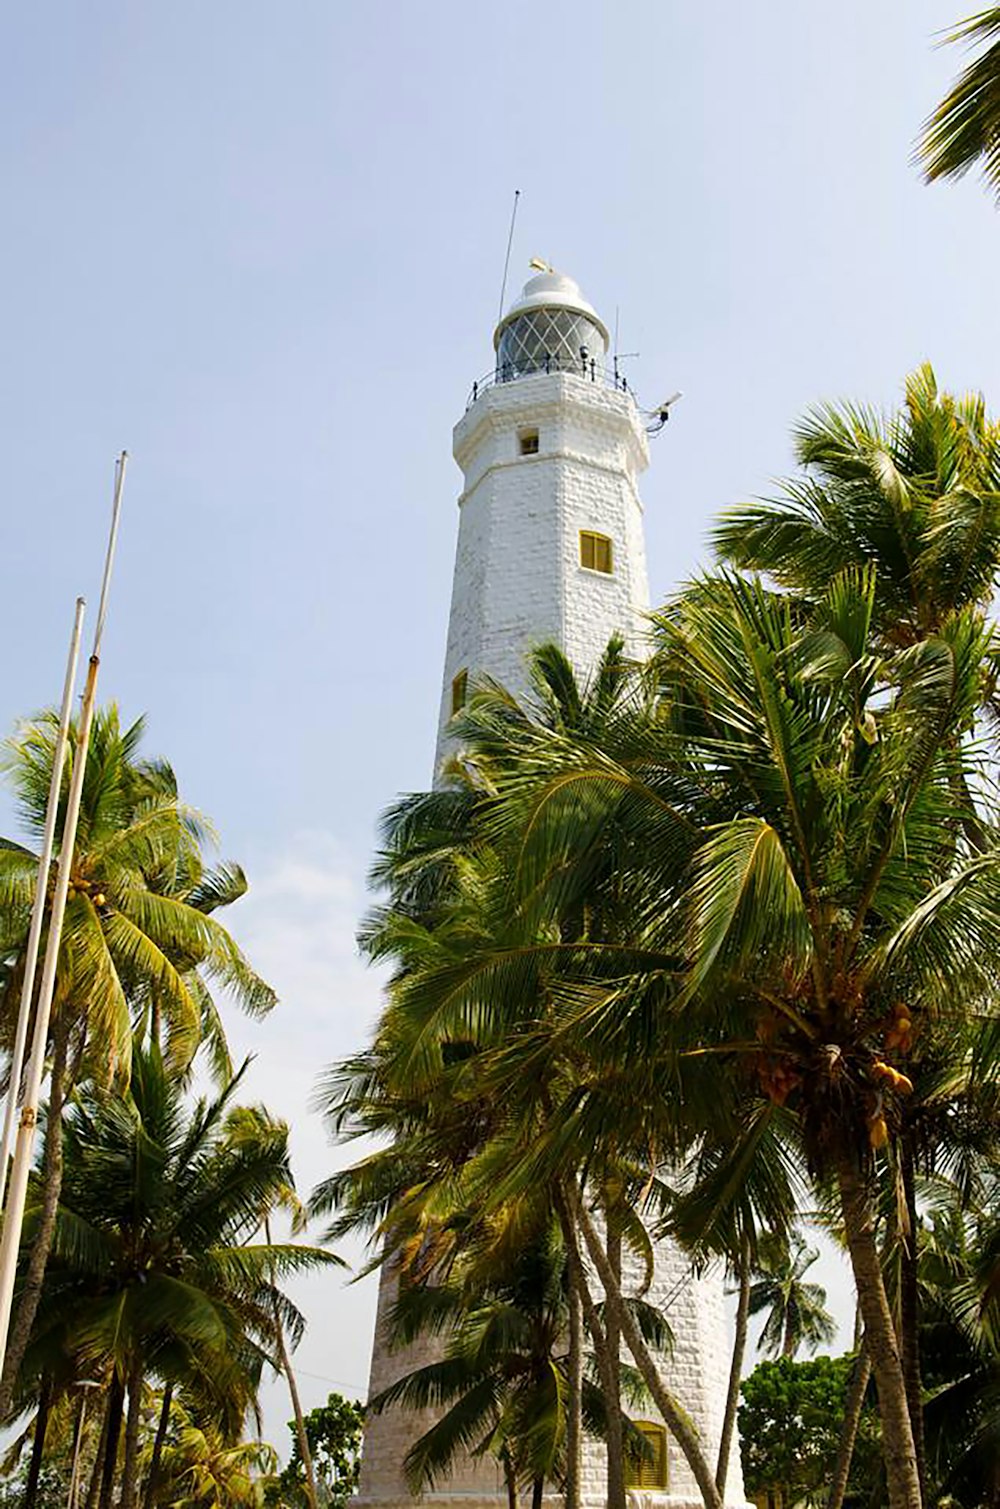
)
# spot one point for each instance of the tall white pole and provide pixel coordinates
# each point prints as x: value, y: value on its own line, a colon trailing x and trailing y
x: 41, y: 891
x: 24, y: 1146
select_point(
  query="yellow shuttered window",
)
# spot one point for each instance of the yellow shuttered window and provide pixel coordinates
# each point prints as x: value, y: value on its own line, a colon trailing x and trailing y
x: 459, y: 692
x: 595, y: 551
x: 651, y: 1472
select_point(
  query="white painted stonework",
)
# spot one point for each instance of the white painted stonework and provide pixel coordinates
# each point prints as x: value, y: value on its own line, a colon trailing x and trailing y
x: 518, y: 578
x: 519, y: 582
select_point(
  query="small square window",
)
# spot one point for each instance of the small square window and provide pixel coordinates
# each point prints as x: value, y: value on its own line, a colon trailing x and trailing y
x: 651, y: 1472
x: 595, y: 551
x: 529, y: 442
x: 459, y: 692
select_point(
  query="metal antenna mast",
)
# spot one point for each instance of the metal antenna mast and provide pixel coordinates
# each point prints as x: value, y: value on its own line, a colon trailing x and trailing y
x: 506, y: 260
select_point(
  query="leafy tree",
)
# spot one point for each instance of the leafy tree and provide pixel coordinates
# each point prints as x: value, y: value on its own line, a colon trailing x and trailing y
x: 791, y: 1420
x: 964, y: 130
x: 333, y: 1431
x: 51, y: 1492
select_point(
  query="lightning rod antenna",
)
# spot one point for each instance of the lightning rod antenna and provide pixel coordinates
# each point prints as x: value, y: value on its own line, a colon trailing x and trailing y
x: 506, y: 260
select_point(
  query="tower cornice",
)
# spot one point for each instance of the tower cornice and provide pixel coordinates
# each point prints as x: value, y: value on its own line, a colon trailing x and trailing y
x: 546, y: 396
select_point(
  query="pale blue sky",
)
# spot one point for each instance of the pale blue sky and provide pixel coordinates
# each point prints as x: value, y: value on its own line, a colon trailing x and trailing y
x: 260, y: 245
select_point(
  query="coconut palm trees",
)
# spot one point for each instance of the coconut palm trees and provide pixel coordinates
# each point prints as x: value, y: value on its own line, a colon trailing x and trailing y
x: 156, y: 1266
x: 915, y: 493
x: 829, y: 895
x: 696, y: 946
x: 139, y: 940
x: 789, y: 825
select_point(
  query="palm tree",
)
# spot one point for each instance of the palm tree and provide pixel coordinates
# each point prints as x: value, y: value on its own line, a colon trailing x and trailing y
x: 964, y: 130
x: 155, y: 1268
x: 797, y: 1315
x: 203, y: 1469
x: 960, y: 1327
x: 502, y: 1379
x: 447, y: 898
x: 505, y: 1372
x: 915, y: 494
x: 429, y: 1078
x: 139, y: 939
x: 777, y: 942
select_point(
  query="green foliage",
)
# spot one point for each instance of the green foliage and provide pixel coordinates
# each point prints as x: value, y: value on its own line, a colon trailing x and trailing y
x: 796, y: 1311
x: 709, y: 914
x: 965, y: 128
x: 333, y: 1431
x: 52, y: 1491
x: 791, y: 1420
x: 139, y: 942
x: 156, y: 1258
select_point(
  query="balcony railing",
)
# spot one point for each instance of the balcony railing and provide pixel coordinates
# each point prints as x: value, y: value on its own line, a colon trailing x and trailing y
x: 585, y: 369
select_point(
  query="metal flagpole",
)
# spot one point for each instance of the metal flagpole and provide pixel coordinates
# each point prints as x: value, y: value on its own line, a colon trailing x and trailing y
x: 41, y: 888
x: 24, y: 1146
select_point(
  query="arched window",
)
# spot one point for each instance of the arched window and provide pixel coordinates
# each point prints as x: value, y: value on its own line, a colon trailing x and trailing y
x: 651, y: 1472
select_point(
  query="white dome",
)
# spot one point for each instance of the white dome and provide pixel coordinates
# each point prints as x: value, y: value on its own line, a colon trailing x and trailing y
x: 551, y: 290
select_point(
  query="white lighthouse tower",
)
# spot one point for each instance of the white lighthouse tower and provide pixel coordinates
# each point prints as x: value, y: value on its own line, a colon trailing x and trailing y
x: 551, y: 548
x: 550, y: 541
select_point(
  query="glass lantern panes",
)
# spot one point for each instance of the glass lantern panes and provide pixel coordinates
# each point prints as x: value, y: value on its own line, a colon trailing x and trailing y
x: 548, y: 340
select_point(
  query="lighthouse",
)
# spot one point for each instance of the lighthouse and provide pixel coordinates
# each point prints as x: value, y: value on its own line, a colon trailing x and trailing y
x: 551, y: 549
x: 550, y: 538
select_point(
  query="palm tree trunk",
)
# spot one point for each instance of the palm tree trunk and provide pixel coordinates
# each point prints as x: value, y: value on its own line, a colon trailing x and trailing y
x: 114, y: 1428
x: 293, y: 1393
x: 853, y: 1405
x: 24, y: 1319
x: 909, y: 1308
x: 102, y: 1440
x: 149, y: 1495
x: 612, y: 1330
x: 902, y: 1476
x: 537, y: 1490
x: 788, y: 1342
x: 130, y: 1472
x: 605, y: 1367
x: 38, y: 1443
x: 510, y: 1479
x: 736, y: 1366
x: 574, y: 1421
x: 674, y: 1414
